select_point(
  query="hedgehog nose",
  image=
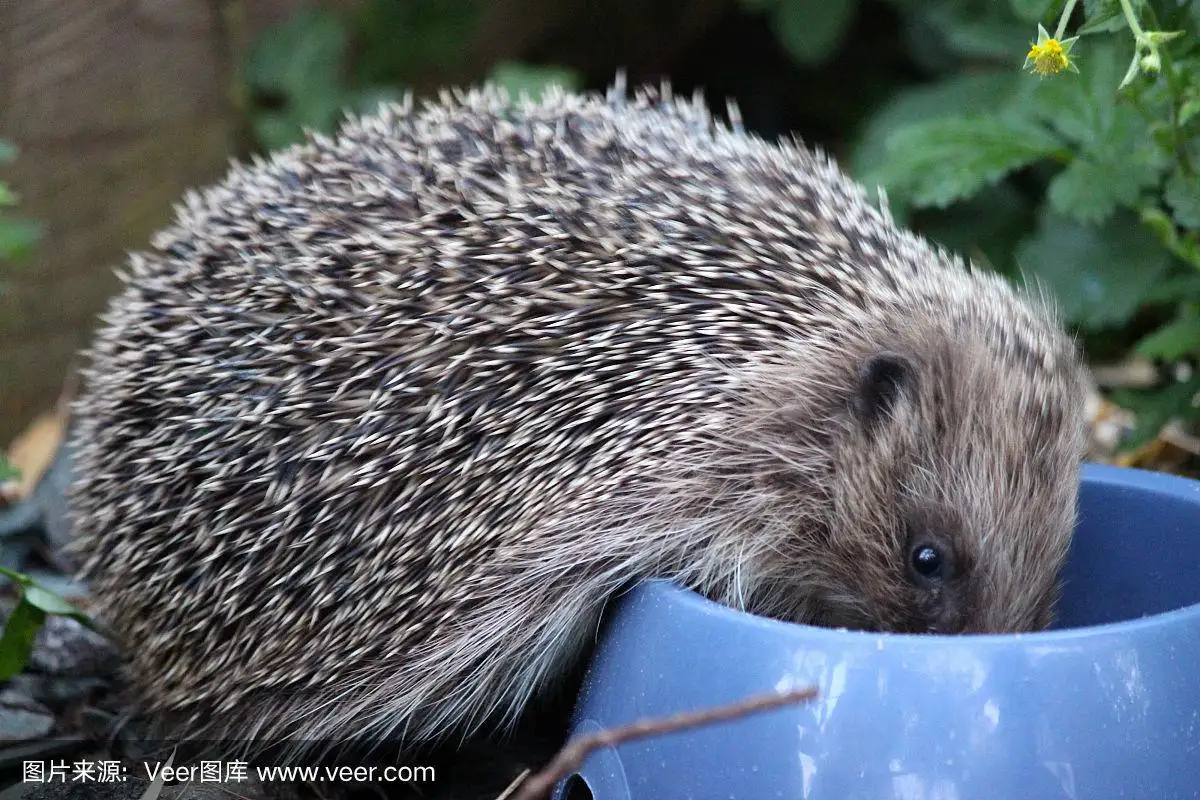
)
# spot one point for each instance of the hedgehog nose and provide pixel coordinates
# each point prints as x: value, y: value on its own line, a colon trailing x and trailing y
x: 949, y: 620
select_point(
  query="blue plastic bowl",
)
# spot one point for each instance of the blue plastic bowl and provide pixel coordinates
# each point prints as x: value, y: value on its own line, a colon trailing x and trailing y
x: 1107, y: 705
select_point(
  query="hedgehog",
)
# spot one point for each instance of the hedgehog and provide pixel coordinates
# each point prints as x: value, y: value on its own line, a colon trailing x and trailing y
x: 380, y: 424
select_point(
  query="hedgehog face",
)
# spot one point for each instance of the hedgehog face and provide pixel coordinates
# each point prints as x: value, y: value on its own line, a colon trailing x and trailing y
x: 1001, y: 470
x: 955, y: 493
x: 924, y: 559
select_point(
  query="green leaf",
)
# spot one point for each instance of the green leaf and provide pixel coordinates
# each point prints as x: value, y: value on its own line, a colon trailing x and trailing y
x: 1031, y: 10
x: 1090, y: 190
x: 1161, y: 226
x: 1107, y: 16
x: 8, y: 152
x: 7, y: 196
x: 1174, y: 289
x: 7, y: 471
x: 1117, y: 157
x: 531, y: 80
x: 16, y: 643
x: 398, y: 40
x: 297, y: 69
x: 44, y: 599
x: 288, y: 58
x: 274, y: 131
x: 1182, y: 194
x: 1099, y: 275
x: 939, y: 162
x: 977, y: 30
x: 811, y: 30
x: 1176, y: 339
x: 1191, y: 107
x: 925, y: 103
x: 1064, y: 103
x: 17, y: 577
x: 17, y: 238
x: 1103, y: 16
x: 1083, y: 108
x: 49, y: 602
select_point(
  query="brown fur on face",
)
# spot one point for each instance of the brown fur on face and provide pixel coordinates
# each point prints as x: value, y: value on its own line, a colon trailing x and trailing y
x: 944, y: 431
x: 378, y: 426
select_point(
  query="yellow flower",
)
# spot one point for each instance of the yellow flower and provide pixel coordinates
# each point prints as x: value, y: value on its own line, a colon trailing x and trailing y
x: 1049, y: 56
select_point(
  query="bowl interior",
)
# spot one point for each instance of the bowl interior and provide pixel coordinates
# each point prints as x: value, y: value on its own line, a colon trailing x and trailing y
x: 1136, y: 550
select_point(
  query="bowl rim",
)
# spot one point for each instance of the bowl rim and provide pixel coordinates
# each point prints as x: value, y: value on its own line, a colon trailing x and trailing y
x: 1177, y: 487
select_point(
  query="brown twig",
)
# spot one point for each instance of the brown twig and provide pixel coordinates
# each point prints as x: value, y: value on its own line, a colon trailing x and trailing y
x: 572, y: 755
x: 512, y: 787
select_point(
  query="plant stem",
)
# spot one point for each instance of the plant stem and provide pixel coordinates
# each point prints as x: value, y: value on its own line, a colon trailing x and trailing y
x: 1176, y: 91
x: 1062, y: 20
x: 1131, y: 18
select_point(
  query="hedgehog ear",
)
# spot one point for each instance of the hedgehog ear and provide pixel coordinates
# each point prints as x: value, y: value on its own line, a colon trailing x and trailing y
x: 882, y: 378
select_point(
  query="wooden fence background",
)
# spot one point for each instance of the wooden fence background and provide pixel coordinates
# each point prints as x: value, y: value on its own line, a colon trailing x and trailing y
x: 117, y: 106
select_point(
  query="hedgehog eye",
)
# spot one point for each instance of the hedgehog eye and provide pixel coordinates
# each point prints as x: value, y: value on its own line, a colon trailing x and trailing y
x: 927, y: 561
x: 881, y: 380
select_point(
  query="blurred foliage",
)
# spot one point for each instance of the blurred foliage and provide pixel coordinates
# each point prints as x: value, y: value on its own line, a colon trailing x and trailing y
x: 301, y: 74
x: 35, y: 603
x: 17, y: 238
x: 402, y: 38
x: 1082, y: 182
x: 809, y: 30
x: 17, y: 235
x: 298, y: 80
